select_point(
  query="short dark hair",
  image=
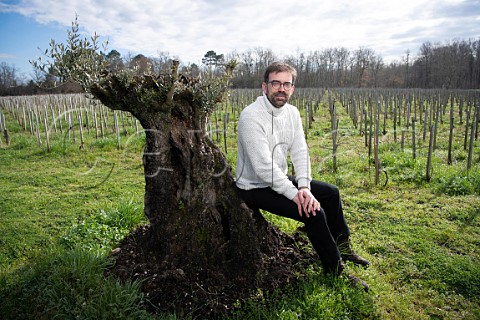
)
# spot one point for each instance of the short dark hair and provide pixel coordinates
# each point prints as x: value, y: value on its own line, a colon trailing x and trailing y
x: 276, y: 67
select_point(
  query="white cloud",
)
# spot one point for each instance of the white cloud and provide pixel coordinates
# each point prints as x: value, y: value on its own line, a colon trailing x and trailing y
x: 189, y: 28
x: 6, y: 56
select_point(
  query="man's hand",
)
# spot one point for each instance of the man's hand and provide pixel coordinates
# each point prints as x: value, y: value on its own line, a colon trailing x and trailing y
x: 306, y: 202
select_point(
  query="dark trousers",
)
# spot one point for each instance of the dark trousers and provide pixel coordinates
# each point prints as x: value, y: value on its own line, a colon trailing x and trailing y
x: 324, y: 229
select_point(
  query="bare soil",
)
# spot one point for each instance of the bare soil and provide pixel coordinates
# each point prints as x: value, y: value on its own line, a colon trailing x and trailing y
x: 205, y: 295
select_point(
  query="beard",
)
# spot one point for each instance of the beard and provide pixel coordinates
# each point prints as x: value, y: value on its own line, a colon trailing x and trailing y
x: 278, y: 99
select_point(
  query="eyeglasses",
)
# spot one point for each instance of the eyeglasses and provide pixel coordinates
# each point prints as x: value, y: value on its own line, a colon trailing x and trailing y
x: 277, y: 84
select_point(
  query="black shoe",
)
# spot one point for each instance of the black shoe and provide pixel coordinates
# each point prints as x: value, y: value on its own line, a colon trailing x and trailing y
x: 348, y: 254
x: 356, y: 282
x: 356, y: 259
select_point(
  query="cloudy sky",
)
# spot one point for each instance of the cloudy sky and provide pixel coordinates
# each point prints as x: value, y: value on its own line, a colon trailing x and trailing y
x: 187, y: 29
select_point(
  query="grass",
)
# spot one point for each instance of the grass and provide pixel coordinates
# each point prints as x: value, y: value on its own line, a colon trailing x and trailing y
x: 69, y: 284
x: 318, y: 297
x: 63, y: 211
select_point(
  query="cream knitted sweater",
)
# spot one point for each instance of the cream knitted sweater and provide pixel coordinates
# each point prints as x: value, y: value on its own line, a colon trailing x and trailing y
x: 266, y: 135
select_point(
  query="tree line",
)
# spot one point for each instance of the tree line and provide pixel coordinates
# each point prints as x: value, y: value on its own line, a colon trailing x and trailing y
x: 452, y: 65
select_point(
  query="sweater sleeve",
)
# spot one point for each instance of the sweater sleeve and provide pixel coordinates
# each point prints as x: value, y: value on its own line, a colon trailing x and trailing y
x: 254, y: 146
x: 300, y: 155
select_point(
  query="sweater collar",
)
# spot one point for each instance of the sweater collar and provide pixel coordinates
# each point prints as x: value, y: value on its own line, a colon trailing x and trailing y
x: 271, y: 109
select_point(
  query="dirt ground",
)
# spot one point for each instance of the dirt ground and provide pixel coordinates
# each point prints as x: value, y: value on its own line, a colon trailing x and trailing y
x: 208, y: 295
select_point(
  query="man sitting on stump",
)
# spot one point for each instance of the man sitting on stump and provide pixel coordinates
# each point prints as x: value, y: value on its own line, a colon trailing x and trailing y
x: 268, y: 130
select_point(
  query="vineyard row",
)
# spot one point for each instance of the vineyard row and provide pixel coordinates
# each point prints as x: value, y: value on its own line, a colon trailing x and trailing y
x: 421, y: 116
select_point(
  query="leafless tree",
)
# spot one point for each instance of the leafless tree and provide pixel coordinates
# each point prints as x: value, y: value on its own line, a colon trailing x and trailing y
x: 8, y: 76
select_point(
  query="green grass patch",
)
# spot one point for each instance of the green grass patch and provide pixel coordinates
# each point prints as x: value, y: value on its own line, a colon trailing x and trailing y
x: 69, y: 284
x: 316, y: 297
x: 102, y: 230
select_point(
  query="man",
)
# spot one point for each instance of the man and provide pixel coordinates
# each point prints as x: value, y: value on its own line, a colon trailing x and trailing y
x: 268, y: 130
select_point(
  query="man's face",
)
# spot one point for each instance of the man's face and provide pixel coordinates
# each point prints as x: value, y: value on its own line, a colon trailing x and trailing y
x: 278, y: 97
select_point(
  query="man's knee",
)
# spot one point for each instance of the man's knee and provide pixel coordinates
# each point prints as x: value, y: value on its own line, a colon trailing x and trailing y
x: 319, y: 220
x: 322, y: 189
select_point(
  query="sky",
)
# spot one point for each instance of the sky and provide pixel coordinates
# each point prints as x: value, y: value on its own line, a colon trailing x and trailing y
x: 187, y: 29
